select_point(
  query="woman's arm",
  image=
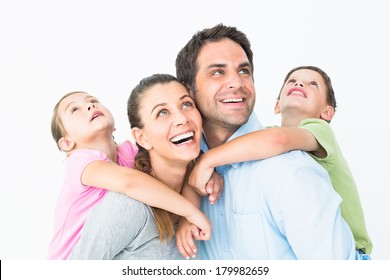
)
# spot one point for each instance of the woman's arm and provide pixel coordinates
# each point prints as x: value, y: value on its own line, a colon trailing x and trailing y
x: 144, y: 188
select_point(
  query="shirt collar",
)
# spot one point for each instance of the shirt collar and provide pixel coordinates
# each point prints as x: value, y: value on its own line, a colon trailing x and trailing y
x: 251, y: 125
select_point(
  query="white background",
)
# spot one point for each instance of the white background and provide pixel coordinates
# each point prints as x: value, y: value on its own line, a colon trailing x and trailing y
x: 48, y: 48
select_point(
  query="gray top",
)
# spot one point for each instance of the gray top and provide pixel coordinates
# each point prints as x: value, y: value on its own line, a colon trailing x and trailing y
x: 122, y: 228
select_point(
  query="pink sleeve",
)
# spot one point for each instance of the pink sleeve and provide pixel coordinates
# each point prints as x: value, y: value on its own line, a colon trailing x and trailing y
x: 76, y: 164
x: 126, y: 154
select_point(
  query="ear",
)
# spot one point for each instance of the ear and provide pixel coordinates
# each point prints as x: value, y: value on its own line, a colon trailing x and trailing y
x: 277, y: 107
x: 66, y: 144
x: 140, y: 138
x: 328, y: 113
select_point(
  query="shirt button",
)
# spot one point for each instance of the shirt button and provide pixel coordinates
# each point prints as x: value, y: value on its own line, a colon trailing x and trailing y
x: 221, y: 213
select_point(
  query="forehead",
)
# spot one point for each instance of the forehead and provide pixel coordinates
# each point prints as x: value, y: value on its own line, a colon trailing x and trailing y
x: 73, y: 97
x: 164, y: 93
x: 307, y: 74
x: 221, y: 52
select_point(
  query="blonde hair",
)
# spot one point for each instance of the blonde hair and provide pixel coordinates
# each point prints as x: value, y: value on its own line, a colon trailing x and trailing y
x: 57, y: 127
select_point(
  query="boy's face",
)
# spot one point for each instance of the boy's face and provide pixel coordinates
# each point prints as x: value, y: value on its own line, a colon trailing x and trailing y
x: 304, y: 93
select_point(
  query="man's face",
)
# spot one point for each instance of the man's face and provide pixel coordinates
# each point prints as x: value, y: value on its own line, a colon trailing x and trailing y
x: 225, y: 93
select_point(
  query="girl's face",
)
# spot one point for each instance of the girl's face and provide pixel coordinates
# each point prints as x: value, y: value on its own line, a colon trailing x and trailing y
x: 84, y: 119
x: 172, y: 124
x: 304, y: 92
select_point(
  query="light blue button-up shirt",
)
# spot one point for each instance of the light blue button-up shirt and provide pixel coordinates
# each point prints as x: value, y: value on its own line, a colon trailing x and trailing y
x: 280, y: 208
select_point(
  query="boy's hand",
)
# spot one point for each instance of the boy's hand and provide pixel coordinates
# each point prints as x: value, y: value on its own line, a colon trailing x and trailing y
x: 199, y: 177
x: 214, y: 187
x: 206, y: 181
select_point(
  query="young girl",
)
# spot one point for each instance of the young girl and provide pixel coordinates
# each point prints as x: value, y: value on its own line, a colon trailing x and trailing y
x: 307, y: 104
x: 83, y: 128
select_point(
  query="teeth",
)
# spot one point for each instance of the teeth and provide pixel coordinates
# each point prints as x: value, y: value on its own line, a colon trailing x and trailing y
x: 233, y: 100
x: 182, y: 136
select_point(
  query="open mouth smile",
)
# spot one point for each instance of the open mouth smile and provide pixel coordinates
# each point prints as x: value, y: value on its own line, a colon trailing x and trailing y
x: 183, y: 138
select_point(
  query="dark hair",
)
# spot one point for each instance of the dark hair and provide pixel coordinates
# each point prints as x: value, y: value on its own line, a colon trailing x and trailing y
x: 164, y: 219
x: 330, y: 97
x: 186, y: 60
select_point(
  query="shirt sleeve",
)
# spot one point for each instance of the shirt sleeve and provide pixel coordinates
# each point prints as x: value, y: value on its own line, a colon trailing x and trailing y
x: 126, y: 154
x: 110, y: 228
x: 76, y: 164
x: 324, y: 135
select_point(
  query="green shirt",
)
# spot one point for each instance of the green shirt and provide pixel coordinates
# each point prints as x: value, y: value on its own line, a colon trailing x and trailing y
x: 342, y: 180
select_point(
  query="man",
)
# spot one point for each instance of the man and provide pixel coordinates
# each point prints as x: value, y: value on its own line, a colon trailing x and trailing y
x: 279, y: 208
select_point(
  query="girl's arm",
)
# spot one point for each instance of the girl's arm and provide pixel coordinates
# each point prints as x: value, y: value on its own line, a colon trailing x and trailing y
x: 185, y: 230
x: 145, y: 189
x: 256, y: 145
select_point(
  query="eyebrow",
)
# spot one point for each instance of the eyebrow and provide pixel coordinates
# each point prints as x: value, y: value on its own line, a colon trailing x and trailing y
x: 221, y: 65
x: 164, y: 104
x: 87, y: 97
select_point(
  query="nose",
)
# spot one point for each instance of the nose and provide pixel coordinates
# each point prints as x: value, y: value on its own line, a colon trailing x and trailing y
x: 234, y: 81
x: 90, y: 106
x: 298, y: 84
x: 180, y: 119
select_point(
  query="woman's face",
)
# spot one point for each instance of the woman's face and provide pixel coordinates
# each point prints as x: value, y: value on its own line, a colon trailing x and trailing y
x: 172, y: 124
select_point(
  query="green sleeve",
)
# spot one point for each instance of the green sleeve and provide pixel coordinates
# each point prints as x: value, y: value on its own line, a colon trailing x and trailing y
x: 324, y: 135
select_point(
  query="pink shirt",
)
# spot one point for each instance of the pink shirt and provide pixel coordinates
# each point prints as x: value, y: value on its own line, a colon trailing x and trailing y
x: 76, y: 200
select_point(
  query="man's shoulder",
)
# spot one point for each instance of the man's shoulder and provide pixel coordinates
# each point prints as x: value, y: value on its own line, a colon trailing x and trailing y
x: 288, y: 162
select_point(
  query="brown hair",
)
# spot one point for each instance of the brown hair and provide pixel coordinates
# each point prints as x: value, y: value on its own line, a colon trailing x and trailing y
x: 164, y: 219
x: 186, y: 60
x: 330, y: 96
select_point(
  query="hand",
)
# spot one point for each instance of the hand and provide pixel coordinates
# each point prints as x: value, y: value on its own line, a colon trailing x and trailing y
x: 184, y: 238
x: 214, y: 187
x: 200, y: 176
x: 206, y: 181
x: 200, y: 220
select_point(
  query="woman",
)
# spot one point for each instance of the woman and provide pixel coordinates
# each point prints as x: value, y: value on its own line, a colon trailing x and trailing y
x: 167, y: 128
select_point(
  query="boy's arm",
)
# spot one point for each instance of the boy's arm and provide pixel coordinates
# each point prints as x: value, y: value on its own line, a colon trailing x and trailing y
x: 144, y: 188
x: 256, y: 145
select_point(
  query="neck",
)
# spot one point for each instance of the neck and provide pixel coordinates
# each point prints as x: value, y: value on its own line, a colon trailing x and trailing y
x: 169, y: 173
x: 106, y: 145
x: 216, y: 135
x: 293, y: 119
